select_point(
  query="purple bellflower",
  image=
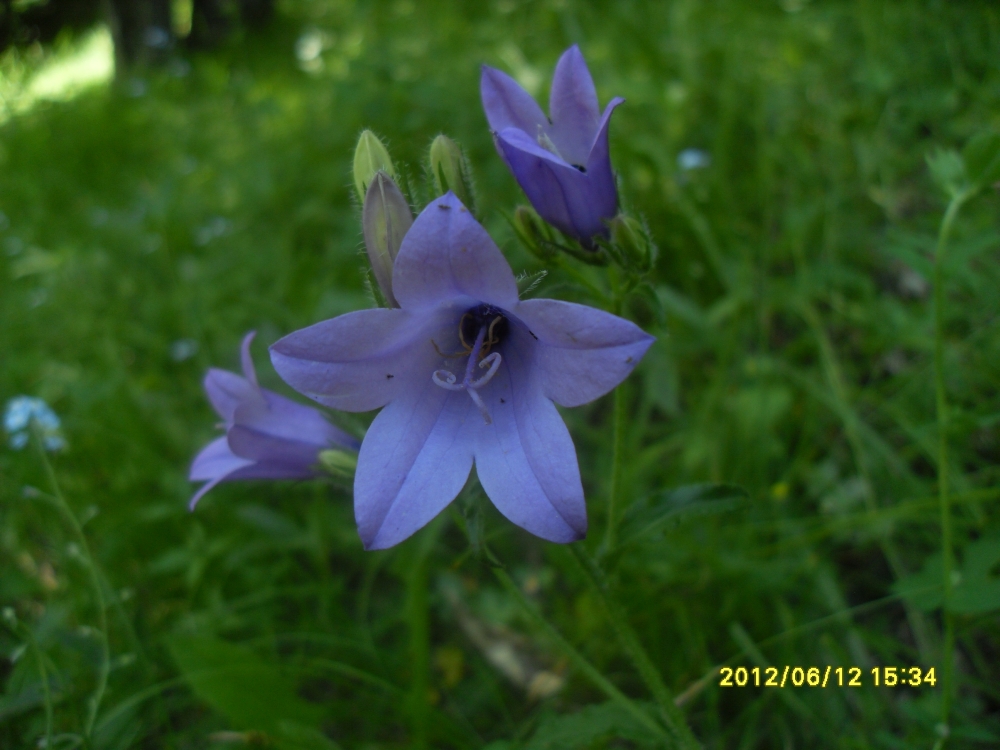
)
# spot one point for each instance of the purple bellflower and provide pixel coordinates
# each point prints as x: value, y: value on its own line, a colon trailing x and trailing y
x: 563, y: 163
x: 468, y: 374
x: 267, y: 435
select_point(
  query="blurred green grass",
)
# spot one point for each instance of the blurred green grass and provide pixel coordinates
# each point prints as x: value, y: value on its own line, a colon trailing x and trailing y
x: 149, y: 225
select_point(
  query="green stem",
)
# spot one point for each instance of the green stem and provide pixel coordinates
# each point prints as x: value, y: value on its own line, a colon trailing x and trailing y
x: 617, y: 459
x: 629, y: 641
x: 43, y: 674
x: 579, y: 660
x: 941, y: 403
x: 418, y: 616
x: 95, y: 580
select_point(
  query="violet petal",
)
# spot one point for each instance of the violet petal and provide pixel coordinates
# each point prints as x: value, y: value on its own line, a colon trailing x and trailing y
x: 565, y: 197
x: 359, y: 361
x: 215, y: 459
x: 247, y: 361
x: 573, y: 107
x: 508, y: 105
x: 227, y: 390
x: 414, y: 460
x: 582, y: 352
x: 526, y: 460
x: 275, y: 457
x: 447, y: 255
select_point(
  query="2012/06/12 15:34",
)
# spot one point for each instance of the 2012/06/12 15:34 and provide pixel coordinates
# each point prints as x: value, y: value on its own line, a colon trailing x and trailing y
x: 820, y: 677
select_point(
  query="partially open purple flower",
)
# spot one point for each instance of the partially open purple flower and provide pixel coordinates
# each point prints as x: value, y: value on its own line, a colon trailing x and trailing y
x: 467, y: 373
x: 563, y: 163
x: 267, y: 435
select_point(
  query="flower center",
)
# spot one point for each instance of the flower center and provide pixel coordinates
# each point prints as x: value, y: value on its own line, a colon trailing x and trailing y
x: 545, y: 142
x: 486, y: 327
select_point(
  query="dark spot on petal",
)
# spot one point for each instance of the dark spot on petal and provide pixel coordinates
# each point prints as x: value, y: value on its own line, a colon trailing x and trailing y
x: 628, y: 361
x: 581, y: 168
x: 444, y: 206
x: 502, y: 401
x: 389, y: 377
x: 533, y: 334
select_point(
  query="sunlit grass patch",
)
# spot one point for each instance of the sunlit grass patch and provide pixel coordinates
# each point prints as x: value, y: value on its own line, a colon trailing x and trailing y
x: 72, y: 66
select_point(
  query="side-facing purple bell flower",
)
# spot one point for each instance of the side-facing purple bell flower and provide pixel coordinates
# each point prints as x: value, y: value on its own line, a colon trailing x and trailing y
x: 267, y: 435
x: 467, y: 373
x: 563, y: 163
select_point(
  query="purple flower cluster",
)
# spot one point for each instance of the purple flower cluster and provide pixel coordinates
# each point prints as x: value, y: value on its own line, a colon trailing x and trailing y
x: 467, y: 374
x: 464, y: 371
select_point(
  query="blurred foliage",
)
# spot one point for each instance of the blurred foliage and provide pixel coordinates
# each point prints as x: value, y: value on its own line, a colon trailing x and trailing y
x: 147, y: 225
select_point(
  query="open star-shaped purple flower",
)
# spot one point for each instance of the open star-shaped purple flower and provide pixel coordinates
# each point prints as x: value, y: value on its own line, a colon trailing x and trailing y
x: 467, y: 373
x: 563, y: 164
x: 267, y: 435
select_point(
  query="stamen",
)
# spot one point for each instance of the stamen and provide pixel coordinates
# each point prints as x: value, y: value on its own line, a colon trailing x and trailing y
x: 470, y: 385
x: 545, y: 142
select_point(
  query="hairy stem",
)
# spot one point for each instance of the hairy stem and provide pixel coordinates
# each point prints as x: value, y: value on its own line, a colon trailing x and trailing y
x: 578, y: 660
x: 629, y: 641
x: 617, y: 459
x: 95, y: 580
x: 418, y: 618
x: 941, y: 403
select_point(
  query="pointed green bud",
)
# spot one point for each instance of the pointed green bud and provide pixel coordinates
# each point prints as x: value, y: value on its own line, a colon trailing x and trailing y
x: 629, y: 236
x: 450, y: 170
x: 370, y: 156
x: 533, y: 232
x: 385, y: 220
x: 339, y: 463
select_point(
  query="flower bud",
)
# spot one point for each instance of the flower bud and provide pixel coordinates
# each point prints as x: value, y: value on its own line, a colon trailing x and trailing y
x: 450, y: 170
x: 370, y: 156
x: 385, y: 220
x: 629, y: 236
x: 532, y: 231
x: 339, y: 463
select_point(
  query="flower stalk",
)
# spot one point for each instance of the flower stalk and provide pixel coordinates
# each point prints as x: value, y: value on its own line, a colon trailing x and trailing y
x: 579, y: 660
x: 103, y: 670
x: 941, y: 404
x: 670, y: 714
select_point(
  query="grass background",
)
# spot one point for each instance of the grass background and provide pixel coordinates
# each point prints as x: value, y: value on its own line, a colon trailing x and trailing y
x: 146, y: 226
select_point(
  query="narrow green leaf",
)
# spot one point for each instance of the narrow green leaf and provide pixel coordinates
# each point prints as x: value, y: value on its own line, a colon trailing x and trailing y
x: 645, y: 518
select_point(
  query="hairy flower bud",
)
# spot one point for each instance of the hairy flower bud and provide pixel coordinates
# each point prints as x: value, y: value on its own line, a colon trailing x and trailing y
x: 370, y: 156
x: 532, y: 232
x: 339, y: 463
x: 385, y: 220
x: 629, y: 236
x: 450, y: 170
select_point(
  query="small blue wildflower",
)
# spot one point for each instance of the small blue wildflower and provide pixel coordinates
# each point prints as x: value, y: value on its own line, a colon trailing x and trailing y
x: 17, y: 419
x: 693, y: 158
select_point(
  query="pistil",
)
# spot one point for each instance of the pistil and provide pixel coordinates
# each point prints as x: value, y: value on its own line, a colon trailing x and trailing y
x: 470, y: 385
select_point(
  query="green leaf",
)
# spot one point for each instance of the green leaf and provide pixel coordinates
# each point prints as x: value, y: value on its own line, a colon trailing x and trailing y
x: 981, y: 156
x: 251, y: 693
x: 976, y: 584
x: 588, y: 726
x: 645, y: 518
